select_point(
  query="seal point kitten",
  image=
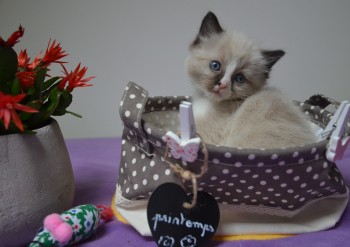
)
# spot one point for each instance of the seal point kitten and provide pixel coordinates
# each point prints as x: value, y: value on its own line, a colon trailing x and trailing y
x: 232, y: 104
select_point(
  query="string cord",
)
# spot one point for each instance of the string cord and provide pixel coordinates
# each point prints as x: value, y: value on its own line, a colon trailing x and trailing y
x: 188, y: 175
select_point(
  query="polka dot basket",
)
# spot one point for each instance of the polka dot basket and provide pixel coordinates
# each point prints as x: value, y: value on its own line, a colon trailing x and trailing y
x: 278, y: 182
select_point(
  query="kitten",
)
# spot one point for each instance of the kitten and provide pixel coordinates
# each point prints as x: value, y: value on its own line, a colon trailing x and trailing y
x: 232, y: 104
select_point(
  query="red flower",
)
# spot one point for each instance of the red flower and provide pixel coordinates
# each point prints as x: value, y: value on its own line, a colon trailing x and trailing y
x: 26, y: 78
x: 75, y: 79
x: 53, y: 53
x: 14, y: 38
x: 23, y: 59
x: 35, y: 63
x: 8, y: 106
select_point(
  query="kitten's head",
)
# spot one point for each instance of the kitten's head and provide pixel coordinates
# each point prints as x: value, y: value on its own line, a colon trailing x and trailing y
x: 227, y: 65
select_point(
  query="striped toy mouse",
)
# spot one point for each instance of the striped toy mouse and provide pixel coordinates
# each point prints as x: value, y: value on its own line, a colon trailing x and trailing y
x: 72, y: 226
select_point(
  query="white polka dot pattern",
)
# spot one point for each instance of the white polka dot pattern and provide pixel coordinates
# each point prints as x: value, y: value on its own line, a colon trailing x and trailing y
x: 286, y: 179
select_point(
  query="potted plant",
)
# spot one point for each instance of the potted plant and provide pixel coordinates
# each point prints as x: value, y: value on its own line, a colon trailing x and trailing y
x: 36, y: 176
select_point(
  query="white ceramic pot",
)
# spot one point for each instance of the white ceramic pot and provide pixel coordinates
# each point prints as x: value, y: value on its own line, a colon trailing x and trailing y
x: 36, y: 179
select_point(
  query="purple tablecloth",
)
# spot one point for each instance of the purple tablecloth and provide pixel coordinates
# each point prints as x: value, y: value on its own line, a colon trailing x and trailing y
x: 95, y: 164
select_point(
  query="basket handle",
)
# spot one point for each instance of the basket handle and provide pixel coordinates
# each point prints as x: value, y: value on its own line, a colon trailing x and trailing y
x: 131, y: 108
x: 322, y: 101
x: 337, y: 129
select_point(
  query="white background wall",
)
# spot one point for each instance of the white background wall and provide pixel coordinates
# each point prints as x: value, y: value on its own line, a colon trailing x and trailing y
x: 146, y: 42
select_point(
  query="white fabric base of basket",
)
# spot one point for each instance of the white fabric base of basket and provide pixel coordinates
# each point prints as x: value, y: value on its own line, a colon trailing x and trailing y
x: 236, y: 220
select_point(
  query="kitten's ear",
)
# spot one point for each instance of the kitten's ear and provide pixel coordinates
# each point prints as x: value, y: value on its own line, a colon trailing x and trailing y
x: 272, y: 57
x: 210, y: 25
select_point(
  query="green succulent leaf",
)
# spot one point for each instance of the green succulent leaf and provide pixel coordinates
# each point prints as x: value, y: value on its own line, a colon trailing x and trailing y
x: 64, y: 102
x: 15, y: 87
x: 39, y: 80
x: 8, y: 63
x: 36, y: 120
x: 24, y: 116
x: 74, y: 114
x: 47, y: 84
x: 53, y: 100
x: 46, y: 110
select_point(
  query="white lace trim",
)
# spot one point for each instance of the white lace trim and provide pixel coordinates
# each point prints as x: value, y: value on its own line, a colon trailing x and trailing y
x: 121, y: 201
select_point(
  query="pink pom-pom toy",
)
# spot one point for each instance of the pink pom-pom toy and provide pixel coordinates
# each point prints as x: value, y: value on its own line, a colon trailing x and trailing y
x: 59, y: 229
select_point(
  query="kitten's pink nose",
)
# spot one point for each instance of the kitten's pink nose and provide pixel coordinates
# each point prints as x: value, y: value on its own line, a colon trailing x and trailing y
x: 222, y: 86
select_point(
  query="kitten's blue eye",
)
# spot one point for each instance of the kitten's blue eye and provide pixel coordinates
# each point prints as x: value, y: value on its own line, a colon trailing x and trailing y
x: 215, y: 65
x: 239, y: 78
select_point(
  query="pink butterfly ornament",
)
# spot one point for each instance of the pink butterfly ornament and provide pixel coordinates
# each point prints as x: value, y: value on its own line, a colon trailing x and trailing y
x: 185, y: 149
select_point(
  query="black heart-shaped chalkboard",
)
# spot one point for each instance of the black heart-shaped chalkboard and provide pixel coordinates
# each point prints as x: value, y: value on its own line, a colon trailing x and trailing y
x: 173, y: 225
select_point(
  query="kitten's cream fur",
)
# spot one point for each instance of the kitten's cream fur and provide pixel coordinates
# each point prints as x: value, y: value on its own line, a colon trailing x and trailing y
x: 248, y: 114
